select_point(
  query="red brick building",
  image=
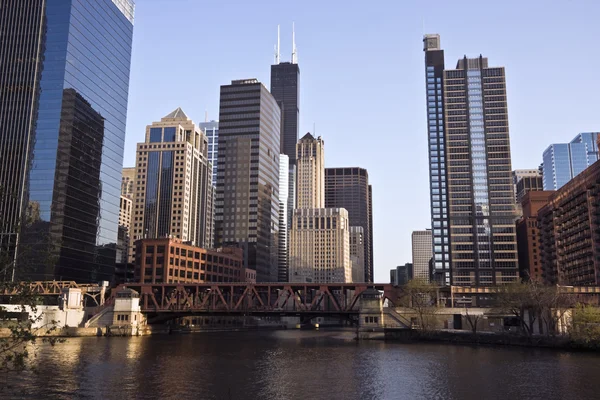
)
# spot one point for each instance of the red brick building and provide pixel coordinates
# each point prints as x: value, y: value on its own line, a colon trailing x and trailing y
x: 528, y: 244
x: 172, y: 261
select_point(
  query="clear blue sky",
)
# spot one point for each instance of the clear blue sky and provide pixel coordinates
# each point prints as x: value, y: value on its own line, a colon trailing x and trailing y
x: 362, y: 79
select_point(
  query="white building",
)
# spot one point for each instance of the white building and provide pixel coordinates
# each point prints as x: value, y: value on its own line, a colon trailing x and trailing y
x: 284, y: 162
x: 422, y: 252
x: 310, y: 171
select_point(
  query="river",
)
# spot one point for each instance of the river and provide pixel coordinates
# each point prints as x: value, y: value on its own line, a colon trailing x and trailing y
x: 299, y: 365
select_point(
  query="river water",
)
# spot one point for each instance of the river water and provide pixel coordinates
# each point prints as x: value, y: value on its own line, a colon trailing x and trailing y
x: 298, y: 365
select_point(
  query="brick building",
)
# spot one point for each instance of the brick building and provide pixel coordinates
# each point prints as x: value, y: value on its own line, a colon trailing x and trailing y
x: 173, y: 261
x: 570, y: 231
x: 528, y: 235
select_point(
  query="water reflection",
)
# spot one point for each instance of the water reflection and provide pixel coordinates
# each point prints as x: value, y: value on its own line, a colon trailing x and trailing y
x: 299, y: 365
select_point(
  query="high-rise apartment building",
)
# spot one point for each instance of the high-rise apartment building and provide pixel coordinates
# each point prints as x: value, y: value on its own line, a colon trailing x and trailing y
x: 564, y: 161
x: 472, y: 196
x: 569, y: 232
x: 124, y: 233
x: 357, y: 253
x: 62, y: 129
x: 310, y: 163
x: 349, y: 188
x: 284, y: 165
x: 421, y: 254
x: 173, y: 183
x: 247, y: 200
x: 211, y: 130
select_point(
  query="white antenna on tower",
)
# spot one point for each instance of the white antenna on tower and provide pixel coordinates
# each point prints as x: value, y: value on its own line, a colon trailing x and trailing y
x: 277, y: 47
x: 294, y: 52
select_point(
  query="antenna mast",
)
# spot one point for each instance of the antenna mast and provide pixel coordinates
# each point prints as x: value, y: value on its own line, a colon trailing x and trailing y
x: 277, y: 47
x: 294, y: 52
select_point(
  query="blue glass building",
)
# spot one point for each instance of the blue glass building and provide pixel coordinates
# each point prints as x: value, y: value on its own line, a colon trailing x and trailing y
x: 211, y: 130
x: 564, y: 161
x: 72, y: 177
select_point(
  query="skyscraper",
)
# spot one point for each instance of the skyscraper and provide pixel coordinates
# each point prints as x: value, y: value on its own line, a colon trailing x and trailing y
x: 62, y: 130
x: 357, y: 253
x: 349, y: 188
x: 247, y: 200
x: 310, y: 162
x: 319, y: 237
x: 564, y: 161
x: 284, y: 165
x: 526, y: 180
x: 472, y: 196
x: 211, y: 130
x: 421, y: 254
x: 173, y: 188
x: 128, y: 182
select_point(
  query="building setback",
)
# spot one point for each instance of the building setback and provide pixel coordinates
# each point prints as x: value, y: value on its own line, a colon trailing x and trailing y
x: 472, y: 196
x: 349, y: 188
x: 569, y: 228
x: 173, y: 189
x: 247, y: 200
x: 564, y: 161
x: 62, y: 129
x: 528, y: 235
x: 173, y: 261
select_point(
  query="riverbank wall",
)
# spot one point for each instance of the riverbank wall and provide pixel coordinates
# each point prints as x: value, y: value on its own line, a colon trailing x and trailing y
x: 488, y: 338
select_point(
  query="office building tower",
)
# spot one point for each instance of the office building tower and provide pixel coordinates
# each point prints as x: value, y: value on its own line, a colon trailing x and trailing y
x: 528, y: 235
x: 128, y: 182
x: 401, y: 275
x: 564, y: 161
x: 173, y: 183
x: 526, y: 180
x: 320, y: 246
x: 472, y: 196
x: 349, y: 188
x: 569, y: 232
x: 211, y: 130
x: 357, y: 253
x: 247, y: 200
x: 284, y: 165
x: 421, y: 254
x: 62, y: 129
x: 310, y: 164
x: 124, y: 232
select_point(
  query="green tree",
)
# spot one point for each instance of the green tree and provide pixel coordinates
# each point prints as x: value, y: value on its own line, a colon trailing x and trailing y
x: 586, y: 324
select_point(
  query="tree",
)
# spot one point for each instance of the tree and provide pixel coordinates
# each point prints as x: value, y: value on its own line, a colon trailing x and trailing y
x: 586, y: 324
x: 472, y: 320
x: 421, y: 297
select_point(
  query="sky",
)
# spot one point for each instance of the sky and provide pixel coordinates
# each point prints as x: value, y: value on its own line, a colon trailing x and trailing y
x: 363, y: 81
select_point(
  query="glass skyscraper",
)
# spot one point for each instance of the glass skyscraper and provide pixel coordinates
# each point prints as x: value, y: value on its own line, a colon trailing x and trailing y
x: 472, y: 196
x: 211, y: 130
x: 70, y: 134
x: 564, y: 161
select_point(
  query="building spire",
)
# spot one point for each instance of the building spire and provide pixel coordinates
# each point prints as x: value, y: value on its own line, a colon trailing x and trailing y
x: 277, y: 48
x: 294, y: 51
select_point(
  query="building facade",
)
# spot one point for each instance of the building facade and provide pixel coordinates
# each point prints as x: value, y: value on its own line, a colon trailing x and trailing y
x: 525, y: 180
x: 349, y: 188
x: 472, y: 196
x: 62, y: 129
x: 128, y: 182
x: 282, y: 270
x: 357, y: 253
x: 173, y: 261
x: 247, y: 193
x: 173, y: 186
x: 310, y: 164
x: 124, y: 234
x: 401, y: 275
x: 528, y: 235
x: 421, y: 254
x: 211, y: 130
x: 569, y: 230
x: 564, y: 161
x: 320, y: 246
